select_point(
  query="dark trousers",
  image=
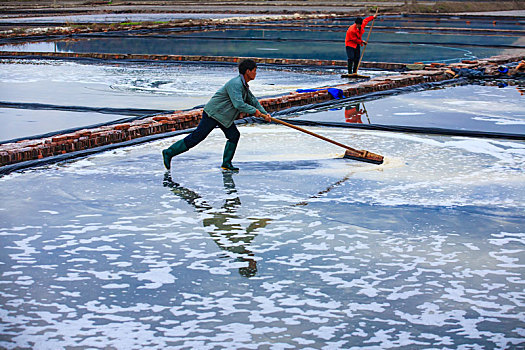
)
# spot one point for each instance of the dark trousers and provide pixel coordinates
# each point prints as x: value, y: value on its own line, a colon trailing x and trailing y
x: 353, y: 54
x: 206, y: 125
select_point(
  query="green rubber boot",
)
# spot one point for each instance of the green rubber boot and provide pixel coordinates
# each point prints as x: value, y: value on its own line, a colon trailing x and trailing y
x: 229, y: 152
x: 177, y: 148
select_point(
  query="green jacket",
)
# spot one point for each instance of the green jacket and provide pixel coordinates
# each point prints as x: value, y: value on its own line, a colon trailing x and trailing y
x: 232, y: 99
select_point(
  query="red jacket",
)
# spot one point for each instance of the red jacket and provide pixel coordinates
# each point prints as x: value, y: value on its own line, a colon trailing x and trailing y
x: 353, y: 115
x: 353, y: 36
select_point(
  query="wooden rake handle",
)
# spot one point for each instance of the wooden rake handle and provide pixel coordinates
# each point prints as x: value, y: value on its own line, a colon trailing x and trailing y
x: 318, y: 136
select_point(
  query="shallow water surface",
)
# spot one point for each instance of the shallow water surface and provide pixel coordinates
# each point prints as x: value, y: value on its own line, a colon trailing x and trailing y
x: 300, y: 249
x: 163, y: 87
x: 405, y: 52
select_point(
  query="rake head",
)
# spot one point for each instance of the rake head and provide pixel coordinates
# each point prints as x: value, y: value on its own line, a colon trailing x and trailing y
x: 364, y: 156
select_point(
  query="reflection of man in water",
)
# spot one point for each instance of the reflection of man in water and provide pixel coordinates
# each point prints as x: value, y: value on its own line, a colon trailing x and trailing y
x: 225, y: 231
x: 353, y: 113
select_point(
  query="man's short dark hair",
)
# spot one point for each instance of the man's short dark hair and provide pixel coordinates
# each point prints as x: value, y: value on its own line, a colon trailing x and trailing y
x: 246, y: 64
x: 359, y: 20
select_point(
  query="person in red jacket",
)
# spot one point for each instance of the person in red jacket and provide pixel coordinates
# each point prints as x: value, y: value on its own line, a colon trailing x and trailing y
x: 354, y: 41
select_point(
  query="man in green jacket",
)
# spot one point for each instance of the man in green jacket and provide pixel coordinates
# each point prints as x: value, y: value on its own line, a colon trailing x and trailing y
x: 222, y: 110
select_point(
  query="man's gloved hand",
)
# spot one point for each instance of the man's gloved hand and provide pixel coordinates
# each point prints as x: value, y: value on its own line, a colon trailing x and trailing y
x: 266, y: 117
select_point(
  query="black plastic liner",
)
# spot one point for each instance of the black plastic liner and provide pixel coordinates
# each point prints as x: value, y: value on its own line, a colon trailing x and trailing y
x: 412, y: 129
x: 103, y: 110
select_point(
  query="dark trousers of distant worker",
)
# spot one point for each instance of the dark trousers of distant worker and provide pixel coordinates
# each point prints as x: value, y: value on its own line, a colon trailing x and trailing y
x: 206, y: 125
x: 353, y: 55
